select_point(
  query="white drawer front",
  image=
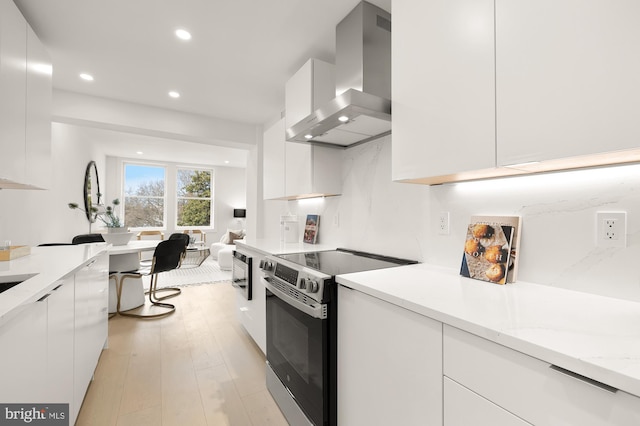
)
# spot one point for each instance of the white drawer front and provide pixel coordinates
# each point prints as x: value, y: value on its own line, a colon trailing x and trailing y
x: 463, y: 408
x: 530, y: 388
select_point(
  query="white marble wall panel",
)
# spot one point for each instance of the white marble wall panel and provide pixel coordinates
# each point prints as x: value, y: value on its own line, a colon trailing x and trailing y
x: 558, y: 211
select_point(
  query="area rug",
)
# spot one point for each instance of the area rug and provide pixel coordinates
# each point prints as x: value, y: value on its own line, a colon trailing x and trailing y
x: 208, y: 272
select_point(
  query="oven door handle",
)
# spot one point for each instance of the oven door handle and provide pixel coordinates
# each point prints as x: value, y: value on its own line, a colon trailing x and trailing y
x: 317, y: 311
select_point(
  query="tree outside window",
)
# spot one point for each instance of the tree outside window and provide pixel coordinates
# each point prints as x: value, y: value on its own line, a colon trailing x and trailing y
x: 194, y: 198
x: 144, y: 200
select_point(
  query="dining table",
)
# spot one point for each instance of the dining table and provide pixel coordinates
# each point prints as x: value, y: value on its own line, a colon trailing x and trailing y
x: 126, y: 258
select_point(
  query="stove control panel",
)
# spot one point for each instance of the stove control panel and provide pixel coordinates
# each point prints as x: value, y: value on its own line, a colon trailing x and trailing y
x: 267, y: 265
x: 304, y: 280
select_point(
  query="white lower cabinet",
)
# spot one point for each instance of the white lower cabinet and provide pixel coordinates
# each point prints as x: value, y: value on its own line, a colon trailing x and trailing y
x: 389, y: 363
x: 91, y: 328
x: 23, y: 355
x: 252, y: 313
x: 463, y: 408
x: 60, y: 337
x: 532, y: 389
x: 50, y: 348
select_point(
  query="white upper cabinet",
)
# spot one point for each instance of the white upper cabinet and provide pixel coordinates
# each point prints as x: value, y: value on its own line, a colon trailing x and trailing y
x: 313, y: 85
x: 13, y: 42
x: 25, y: 103
x: 567, y: 78
x: 38, y: 113
x: 443, y: 87
x: 273, y: 141
x: 560, y: 87
x: 298, y: 170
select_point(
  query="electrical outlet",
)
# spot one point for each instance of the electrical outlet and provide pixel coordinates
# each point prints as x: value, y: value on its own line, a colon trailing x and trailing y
x: 443, y: 223
x: 611, y: 229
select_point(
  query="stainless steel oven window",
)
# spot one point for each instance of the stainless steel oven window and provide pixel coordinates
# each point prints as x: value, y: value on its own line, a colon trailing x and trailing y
x: 297, y: 353
x: 291, y: 338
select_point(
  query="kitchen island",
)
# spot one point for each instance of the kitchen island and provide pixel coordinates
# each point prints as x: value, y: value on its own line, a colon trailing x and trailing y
x: 53, y: 325
x: 44, y: 267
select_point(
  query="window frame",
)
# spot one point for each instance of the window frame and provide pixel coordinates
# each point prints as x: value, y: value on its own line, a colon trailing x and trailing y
x: 211, y: 197
x: 163, y: 166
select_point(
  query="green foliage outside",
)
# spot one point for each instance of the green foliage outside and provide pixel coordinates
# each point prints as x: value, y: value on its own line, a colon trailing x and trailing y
x: 194, y: 195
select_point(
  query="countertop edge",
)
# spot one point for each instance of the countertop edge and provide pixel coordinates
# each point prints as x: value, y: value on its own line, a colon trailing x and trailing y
x: 591, y: 367
x: 66, y: 260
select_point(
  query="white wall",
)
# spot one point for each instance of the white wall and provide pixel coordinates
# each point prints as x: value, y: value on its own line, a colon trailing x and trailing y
x: 558, y: 211
x: 35, y: 217
x: 229, y: 190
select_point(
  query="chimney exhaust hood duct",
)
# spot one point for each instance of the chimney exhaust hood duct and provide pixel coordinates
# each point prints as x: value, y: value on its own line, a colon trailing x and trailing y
x: 361, y: 110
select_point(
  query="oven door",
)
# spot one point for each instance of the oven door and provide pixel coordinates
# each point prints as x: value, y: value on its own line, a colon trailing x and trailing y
x: 241, y: 274
x: 297, y: 352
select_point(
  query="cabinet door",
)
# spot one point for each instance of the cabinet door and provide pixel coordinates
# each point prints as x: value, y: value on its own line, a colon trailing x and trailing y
x: 522, y: 385
x: 463, y: 408
x: 298, y: 168
x: 13, y: 42
x: 60, y: 337
x: 443, y: 87
x: 308, y: 89
x: 252, y: 313
x: 91, y: 306
x: 38, y: 113
x: 567, y: 78
x: 389, y: 363
x: 273, y: 167
x: 23, y: 356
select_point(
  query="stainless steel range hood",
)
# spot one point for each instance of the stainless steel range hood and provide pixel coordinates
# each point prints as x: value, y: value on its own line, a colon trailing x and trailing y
x: 361, y: 110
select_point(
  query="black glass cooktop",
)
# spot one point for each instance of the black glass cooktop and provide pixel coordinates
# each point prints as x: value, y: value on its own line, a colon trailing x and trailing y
x: 343, y: 261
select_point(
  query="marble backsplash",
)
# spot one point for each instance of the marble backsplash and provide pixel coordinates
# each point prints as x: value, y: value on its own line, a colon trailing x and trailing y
x: 558, y: 213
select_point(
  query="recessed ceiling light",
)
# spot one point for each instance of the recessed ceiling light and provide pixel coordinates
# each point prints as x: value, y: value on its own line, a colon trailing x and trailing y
x: 139, y: 152
x: 343, y: 118
x: 226, y: 161
x: 308, y: 136
x: 174, y: 94
x: 86, y: 77
x: 183, y: 34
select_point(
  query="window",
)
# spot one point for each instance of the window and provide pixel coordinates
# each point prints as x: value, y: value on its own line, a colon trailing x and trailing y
x: 193, y: 198
x: 144, y: 196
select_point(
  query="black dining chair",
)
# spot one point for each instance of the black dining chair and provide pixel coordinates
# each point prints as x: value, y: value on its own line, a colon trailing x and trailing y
x: 166, y: 257
x: 87, y: 238
x: 175, y: 291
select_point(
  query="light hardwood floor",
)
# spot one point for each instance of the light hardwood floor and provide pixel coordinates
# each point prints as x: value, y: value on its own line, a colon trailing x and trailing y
x: 197, y: 366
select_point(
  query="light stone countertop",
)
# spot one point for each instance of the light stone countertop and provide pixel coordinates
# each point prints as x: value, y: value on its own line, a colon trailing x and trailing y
x: 595, y: 336
x: 50, y: 264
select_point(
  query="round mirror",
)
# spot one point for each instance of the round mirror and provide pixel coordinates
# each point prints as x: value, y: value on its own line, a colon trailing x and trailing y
x: 91, y: 190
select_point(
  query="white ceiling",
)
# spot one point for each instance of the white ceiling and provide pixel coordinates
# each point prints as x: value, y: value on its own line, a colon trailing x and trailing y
x: 149, y: 148
x: 235, y: 67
